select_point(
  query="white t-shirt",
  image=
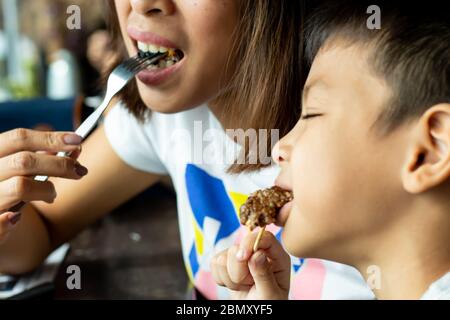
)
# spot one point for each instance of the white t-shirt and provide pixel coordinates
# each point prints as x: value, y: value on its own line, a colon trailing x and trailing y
x: 439, y: 290
x: 208, y: 198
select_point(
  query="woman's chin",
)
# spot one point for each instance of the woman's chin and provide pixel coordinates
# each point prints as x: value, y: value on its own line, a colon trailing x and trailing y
x: 162, y: 108
x: 163, y: 105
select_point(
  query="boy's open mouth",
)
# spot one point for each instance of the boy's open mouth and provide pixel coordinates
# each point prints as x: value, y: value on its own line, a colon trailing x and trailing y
x: 173, y: 57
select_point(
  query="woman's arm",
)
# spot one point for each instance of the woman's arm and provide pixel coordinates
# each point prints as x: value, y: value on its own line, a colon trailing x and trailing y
x: 109, y: 183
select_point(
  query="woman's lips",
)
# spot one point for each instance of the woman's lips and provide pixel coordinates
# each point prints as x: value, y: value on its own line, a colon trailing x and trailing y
x: 158, y: 76
x: 150, y: 37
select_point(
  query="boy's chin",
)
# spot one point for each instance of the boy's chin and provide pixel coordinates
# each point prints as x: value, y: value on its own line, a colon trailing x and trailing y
x: 296, y: 245
x: 299, y: 243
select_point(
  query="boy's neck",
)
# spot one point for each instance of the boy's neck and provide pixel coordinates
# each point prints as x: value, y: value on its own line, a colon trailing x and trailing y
x: 410, y: 256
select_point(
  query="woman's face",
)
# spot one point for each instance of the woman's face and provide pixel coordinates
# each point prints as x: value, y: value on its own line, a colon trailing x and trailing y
x: 201, y: 29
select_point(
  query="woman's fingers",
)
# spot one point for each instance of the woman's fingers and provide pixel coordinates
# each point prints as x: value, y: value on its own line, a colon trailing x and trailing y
x: 8, y: 222
x: 76, y: 153
x: 17, y: 189
x: 27, y: 163
x: 30, y: 140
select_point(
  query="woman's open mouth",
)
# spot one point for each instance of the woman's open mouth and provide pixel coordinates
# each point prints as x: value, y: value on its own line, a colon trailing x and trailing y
x: 173, y: 55
x: 159, y: 71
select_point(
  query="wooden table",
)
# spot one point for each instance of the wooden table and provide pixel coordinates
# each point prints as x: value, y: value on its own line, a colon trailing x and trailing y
x: 133, y: 253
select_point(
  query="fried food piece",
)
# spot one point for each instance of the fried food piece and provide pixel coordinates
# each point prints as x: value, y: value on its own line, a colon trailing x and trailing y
x: 262, y: 207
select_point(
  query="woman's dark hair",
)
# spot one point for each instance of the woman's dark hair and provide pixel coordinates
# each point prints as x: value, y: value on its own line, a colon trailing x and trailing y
x: 265, y: 90
x: 411, y: 50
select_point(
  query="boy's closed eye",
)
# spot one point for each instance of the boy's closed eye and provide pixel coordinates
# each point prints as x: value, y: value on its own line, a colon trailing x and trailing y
x: 310, y: 116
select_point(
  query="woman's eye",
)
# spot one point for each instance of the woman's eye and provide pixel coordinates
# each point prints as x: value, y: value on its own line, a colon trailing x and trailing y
x: 309, y: 116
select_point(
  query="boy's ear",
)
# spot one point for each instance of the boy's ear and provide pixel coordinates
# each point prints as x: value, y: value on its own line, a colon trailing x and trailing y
x: 428, y: 160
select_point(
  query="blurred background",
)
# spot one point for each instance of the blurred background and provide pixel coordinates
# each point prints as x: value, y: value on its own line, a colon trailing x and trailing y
x: 50, y: 66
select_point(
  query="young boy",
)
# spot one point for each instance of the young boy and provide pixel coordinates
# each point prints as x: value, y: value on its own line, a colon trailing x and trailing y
x: 369, y: 162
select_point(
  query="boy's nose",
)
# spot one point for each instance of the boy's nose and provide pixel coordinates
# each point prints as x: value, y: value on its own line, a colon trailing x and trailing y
x: 146, y: 7
x: 281, y: 152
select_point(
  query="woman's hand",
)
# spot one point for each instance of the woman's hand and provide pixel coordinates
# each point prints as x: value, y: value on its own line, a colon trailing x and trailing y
x: 263, y: 275
x: 25, y: 154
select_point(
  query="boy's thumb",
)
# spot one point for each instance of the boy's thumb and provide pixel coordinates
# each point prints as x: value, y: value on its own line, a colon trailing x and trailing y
x: 262, y: 274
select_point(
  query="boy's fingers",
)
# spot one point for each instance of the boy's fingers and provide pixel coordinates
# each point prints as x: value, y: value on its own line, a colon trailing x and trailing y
x: 246, y: 246
x: 215, y: 271
x: 263, y: 274
x: 223, y: 275
x: 237, y: 268
x: 279, y: 259
x: 273, y: 249
x: 270, y: 245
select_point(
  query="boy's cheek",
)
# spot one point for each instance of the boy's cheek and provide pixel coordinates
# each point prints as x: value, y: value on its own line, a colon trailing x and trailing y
x: 324, y: 182
x: 307, y: 234
x: 311, y: 212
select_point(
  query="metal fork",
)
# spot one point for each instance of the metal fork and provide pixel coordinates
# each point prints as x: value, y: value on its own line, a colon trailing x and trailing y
x: 117, y: 80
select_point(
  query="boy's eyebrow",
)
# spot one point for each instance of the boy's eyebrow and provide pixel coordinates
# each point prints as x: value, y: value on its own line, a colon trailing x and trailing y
x: 307, y: 89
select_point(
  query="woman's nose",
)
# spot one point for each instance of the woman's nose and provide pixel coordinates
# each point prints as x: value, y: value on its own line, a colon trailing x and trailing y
x: 146, y: 7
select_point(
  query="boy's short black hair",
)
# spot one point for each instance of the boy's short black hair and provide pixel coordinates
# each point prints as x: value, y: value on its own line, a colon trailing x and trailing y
x: 411, y: 50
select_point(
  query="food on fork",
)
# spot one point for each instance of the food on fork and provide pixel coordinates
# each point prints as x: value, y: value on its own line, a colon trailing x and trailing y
x: 173, y: 56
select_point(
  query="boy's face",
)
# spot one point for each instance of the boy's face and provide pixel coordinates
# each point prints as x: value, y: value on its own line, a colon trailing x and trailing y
x: 346, y: 179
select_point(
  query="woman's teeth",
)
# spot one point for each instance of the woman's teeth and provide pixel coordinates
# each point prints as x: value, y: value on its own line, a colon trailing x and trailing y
x: 144, y: 47
x: 172, y: 58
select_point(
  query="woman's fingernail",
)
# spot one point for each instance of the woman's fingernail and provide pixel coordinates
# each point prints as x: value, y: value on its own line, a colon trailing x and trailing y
x: 80, y: 170
x: 241, y: 254
x: 14, y: 218
x: 72, y: 139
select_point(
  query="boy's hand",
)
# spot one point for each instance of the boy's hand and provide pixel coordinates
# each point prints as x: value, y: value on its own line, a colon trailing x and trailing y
x: 263, y: 275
